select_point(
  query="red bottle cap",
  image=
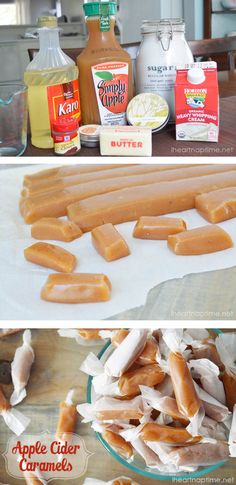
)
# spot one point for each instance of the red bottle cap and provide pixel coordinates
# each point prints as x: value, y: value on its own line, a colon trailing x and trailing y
x: 65, y: 125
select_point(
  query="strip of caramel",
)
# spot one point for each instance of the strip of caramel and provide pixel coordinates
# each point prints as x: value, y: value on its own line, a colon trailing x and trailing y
x: 186, y: 396
x: 148, y: 375
x: 52, y: 229
x: 168, y: 434
x: 76, y: 288
x: 119, y: 444
x: 67, y: 170
x: 50, y: 256
x: 202, y: 240
x: 116, y: 172
x: 158, y: 228
x: 55, y: 203
x: 150, y: 200
x: 109, y: 243
x: 217, y: 206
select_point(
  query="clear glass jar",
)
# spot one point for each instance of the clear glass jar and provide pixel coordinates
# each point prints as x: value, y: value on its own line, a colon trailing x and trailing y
x: 163, y: 48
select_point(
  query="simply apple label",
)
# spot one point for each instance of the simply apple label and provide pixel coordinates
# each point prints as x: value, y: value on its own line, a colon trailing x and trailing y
x: 111, y: 83
x: 64, y: 101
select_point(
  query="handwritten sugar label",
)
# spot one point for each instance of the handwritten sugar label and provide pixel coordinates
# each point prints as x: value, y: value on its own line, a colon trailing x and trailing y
x: 47, y: 457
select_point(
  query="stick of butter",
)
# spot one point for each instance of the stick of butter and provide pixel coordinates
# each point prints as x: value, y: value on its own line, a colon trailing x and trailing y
x: 128, y: 141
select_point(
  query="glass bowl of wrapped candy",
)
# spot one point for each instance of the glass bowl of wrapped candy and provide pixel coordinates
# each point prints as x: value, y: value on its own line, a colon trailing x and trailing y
x: 162, y: 402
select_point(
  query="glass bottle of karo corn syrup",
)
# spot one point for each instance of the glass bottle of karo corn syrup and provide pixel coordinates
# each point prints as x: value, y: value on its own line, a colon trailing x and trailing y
x: 52, y: 80
x: 105, y: 69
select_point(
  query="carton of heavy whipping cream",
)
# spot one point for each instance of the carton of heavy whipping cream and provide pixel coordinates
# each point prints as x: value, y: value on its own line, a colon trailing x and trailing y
x: 197, y: 102
x: 127, y: 141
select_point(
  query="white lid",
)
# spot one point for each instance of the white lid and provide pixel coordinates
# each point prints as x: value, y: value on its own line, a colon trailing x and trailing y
x: 196, y: 75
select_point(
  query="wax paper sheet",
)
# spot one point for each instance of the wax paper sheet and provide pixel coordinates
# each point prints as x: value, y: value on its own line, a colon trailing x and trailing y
x: 150, y: 263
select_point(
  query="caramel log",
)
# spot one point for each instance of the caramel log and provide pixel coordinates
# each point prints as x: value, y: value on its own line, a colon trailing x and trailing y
x: 201, y: 454
x: 67, y: 421
x: 50, y: 256
x: 202, y: 240
x: 31, y: 479
x: 50, y: 228
x: 109, y: 243
x: 217, y: 206
x: 151, y: 227
x: 119, y: 444
x: 149, y: 375
x: 76, y: 288
x: 67, y: 170
x: 187, y: 399
x: 168, y: 434
x: 123, y: 171
x: 229, y: 381
x: 54, y: 204
x: 4, y: 403
x: 150, y: 200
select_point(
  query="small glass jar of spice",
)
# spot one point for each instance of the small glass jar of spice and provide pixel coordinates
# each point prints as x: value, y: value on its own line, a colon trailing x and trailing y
x: 66, y: 136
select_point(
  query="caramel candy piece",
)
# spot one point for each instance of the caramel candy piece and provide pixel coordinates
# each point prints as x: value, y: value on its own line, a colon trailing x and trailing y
x: 217, y: 206
x: 155, y: 199
x: 76, y: 288
x: 208, y: 351
x: 109, y: 243
x: 148, y: 375
x: 119, y: 444
x: 229, y: 381
x: 168, y: 434
x: 151, y: 227
x: 50, y: 256
x: 202, y: 240
x: 186, y: 396
x: 4, y: 403
x: 55, y: 203
x: 67, y: 421
x: 201, y: 454
x: 50, y: 228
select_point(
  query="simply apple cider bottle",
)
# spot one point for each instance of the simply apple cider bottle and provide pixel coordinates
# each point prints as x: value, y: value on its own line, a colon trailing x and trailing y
x: 105, y: 69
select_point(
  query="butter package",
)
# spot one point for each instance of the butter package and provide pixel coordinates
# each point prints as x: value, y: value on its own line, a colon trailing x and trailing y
x: 127, y: 141
x: 197, y: 102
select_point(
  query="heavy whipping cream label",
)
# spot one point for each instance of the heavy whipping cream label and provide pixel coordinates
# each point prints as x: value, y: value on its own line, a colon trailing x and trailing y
x: 197, y: 105
x: 111, y: 84
x: 63, y: 101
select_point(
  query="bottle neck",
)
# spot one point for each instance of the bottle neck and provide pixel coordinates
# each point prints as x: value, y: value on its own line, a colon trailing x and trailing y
x: 49, y: 39
x: 98, y: 36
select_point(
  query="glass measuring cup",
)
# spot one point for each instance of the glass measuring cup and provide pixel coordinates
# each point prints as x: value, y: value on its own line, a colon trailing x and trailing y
x: 13, y: 119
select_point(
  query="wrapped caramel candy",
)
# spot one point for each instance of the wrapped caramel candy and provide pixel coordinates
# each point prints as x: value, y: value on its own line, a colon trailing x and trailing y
x: 232, y: 435
x: 68, y: 417
x: 208, y: 373
x: 21, y: 367
x: 15, y: 420
x: 226, y: 347
x: 201, y: 454
x: 168, y: 435
x: 129, y: 382
x: 165, y: 404
x: 126, y: 353
x: 119, y: 444
x: 107, y: 408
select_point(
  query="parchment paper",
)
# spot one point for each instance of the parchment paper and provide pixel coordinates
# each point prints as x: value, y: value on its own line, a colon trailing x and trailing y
x: 150, y: 263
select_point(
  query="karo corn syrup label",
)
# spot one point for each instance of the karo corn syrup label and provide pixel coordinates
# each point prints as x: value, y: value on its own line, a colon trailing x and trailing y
x: 111, y: 83
x: 63, y: 101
